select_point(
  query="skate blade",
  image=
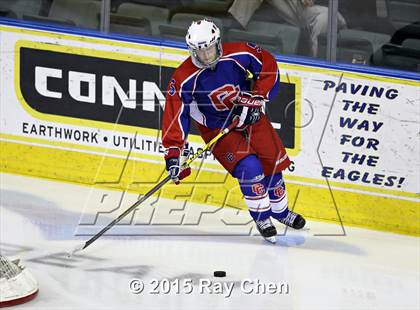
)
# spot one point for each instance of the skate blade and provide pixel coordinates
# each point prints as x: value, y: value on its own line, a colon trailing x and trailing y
x: 272, y: 239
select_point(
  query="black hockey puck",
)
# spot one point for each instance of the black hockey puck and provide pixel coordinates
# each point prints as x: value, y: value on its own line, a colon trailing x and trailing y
x: 219, y: 273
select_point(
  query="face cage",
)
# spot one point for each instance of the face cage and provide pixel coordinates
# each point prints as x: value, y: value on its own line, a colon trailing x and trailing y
x: 196, y: 59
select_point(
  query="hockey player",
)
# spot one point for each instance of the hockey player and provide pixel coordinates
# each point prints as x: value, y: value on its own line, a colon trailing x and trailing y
x: 212, y: 86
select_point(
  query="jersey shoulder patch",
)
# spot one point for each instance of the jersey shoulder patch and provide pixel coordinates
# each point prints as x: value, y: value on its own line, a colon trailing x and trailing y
x: 254, y: 47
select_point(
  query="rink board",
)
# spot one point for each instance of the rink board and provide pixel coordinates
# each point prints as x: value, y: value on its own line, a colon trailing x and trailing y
x: 352, y: 136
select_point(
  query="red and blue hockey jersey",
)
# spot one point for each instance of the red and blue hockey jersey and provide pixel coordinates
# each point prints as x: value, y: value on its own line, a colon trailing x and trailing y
x: 207, y: 95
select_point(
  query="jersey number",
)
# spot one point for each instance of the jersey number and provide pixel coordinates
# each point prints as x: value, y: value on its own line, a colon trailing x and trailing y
x: 223, y: 98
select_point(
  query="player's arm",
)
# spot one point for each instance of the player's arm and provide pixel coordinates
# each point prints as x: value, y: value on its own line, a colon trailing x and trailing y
x: 263, y: 66
x: 176, y: 119
x: 175, y: 128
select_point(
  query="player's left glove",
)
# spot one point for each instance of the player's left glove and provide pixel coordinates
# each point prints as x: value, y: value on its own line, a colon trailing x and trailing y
x: 248, y: 109
x: 175, y: 161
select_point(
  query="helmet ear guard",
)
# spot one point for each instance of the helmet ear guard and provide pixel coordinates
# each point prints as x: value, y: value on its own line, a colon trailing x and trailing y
x: 201, y: 35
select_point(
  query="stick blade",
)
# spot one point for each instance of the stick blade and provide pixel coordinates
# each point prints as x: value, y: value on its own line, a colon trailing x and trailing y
x: 76, y: 249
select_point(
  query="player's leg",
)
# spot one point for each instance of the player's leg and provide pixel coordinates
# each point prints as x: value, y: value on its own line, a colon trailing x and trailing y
x: 279, y: 202
x: 272, y: 154
x: 266, y: 143
x: 251, y: 179
x: 235, y: 154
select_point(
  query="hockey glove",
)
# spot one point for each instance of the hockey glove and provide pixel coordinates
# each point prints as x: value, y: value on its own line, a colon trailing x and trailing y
x: 248, y: 109
x: 175, y: 163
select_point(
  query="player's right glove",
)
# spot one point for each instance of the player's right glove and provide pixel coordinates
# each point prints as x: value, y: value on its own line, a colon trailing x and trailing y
x: 175, y: 163
x: 248, y: 109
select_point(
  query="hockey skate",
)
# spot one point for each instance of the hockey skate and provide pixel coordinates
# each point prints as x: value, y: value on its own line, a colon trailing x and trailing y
x: 293, y: 220
x: 267, y: 230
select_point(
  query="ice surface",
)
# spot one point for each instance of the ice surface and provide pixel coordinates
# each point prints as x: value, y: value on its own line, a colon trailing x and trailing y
x: 321, y: 267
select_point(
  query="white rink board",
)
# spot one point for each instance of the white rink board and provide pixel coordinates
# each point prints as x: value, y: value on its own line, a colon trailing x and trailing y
x: 368, y: 119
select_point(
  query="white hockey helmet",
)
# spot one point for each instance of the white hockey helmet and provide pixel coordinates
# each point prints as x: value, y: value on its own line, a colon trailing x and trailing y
x: 204, y: 43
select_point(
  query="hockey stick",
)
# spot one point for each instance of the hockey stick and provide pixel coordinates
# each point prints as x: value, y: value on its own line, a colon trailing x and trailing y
x: 83, y: 246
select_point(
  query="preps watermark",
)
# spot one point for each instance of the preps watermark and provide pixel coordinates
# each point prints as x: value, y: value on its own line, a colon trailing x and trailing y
x: 206, y: 286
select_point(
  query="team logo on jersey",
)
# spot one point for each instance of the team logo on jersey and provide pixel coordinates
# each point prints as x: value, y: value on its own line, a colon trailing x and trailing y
x: 223, y: 98
x: 258, y: 189
x: 172, y: 89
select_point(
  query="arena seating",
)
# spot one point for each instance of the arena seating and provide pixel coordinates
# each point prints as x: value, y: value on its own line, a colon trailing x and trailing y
x: 146, y: 18
x: 367, y: 40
